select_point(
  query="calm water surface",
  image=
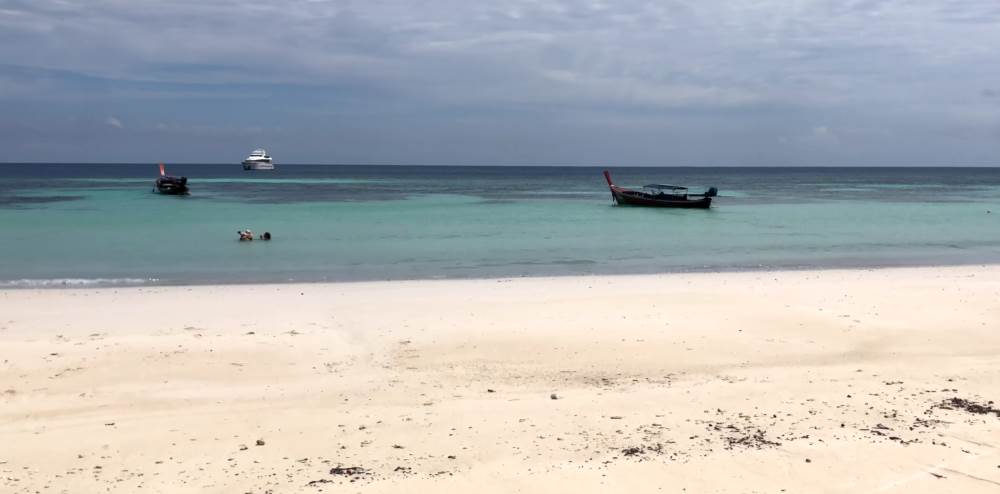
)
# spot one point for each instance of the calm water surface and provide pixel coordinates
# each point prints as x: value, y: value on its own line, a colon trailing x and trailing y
x: 74, y: 225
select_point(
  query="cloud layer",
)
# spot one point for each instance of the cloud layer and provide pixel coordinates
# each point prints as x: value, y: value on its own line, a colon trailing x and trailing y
x: 521, y: 82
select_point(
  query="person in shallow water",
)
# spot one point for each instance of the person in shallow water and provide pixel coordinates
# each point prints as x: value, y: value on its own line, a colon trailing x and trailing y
x: 266, y: 236
x: 245, y: 235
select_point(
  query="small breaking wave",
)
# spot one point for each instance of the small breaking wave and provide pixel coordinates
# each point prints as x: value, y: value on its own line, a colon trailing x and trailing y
x: 76, y: 282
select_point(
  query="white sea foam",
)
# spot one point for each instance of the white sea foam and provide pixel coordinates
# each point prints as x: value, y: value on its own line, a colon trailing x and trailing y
x: 75, y: 282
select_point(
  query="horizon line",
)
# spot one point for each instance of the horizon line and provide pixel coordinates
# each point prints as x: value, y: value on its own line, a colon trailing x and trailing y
x: 137, y: 163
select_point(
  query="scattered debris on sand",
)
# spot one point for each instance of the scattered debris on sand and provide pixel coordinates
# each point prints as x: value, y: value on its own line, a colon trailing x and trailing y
x: 750, y: 436
x: 348, y: 471
x: 643, y: 450
x: 970, y: 406
x: 754, y: 440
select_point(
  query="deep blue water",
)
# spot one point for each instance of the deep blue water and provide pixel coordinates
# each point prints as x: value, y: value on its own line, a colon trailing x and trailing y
x: 100, y: 224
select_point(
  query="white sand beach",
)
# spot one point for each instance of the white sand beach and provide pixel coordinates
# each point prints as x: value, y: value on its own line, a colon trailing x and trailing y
x: 809, y: 381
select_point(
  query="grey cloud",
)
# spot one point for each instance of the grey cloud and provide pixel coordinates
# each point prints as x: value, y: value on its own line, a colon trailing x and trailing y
x: 758, y: 72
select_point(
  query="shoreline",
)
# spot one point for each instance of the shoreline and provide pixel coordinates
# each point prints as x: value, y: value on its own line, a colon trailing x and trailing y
x: 840, y: 380
x: 99, y: 283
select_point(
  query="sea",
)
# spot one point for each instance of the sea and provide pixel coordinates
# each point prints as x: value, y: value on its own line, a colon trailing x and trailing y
x: 78, y: 225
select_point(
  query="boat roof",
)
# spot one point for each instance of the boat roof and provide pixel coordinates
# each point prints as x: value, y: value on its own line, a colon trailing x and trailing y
x: 664, y: 186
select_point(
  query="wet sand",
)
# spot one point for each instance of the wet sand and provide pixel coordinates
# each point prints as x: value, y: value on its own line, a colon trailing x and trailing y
x: 808, y: 381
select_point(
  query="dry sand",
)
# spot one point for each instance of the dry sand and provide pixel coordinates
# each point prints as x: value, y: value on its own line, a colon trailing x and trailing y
x: 813, y: 381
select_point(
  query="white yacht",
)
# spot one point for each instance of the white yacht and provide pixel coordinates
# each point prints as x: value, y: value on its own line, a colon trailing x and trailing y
x: 258, y: 160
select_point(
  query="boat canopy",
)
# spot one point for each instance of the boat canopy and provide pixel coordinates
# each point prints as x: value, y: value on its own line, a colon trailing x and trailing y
x: 664, y: 187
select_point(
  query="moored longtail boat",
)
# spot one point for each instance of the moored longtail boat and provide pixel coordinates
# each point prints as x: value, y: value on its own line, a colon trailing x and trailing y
x: 166, y: 184
x: 660, y: 196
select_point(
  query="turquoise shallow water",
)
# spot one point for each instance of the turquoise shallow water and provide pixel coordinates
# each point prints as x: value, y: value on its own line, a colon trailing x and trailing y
x: 101, y: 225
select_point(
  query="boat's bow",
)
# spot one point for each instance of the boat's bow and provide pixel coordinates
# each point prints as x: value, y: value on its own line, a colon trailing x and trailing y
x: 611, y: 186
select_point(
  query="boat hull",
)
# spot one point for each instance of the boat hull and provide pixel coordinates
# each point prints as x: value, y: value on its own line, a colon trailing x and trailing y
x: 625, y: 197
x: 257, y: 166
x: 171, y: 186
x: 173, y: 191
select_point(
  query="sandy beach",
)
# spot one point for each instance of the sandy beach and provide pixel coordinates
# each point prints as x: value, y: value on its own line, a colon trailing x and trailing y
x: 806, y: 381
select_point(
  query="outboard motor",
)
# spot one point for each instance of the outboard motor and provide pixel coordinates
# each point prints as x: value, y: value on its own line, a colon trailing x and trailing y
x: 711, y: 192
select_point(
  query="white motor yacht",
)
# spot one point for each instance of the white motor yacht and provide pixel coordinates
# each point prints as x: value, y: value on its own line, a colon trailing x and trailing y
x: 258, y: 160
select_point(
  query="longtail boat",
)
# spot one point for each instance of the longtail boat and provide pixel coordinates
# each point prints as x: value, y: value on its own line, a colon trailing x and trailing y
x: 166, y: 184
x: 660, y: 196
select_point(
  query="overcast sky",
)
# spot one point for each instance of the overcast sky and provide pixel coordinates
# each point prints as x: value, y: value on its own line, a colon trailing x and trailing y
x: 622, y: 82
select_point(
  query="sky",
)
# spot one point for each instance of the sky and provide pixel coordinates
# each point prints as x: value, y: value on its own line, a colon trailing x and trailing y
x: 557, y: 82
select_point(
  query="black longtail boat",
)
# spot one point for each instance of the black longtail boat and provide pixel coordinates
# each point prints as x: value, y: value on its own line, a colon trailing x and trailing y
x: 174, y: 186
x: 660, y: 196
